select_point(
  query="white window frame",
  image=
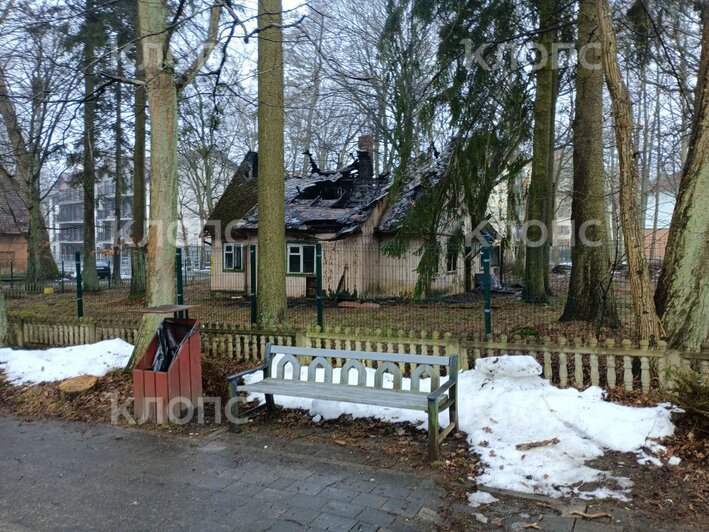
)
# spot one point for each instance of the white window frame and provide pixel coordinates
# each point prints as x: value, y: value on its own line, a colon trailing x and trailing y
x: 455, y: 258
x: 301, y: 254
x: 231, y: 248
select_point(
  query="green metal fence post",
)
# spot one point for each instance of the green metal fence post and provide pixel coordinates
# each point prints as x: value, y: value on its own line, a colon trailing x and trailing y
x: 178, y: 275
x: 12, y: 274
x: 318, y: 273
x: 252, y: 282
x: 62, y: 275
x: 79, y: 291
x: 486, y: 285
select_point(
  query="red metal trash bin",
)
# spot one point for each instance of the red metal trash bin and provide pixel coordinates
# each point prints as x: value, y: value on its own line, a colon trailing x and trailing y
x: 164, y: 396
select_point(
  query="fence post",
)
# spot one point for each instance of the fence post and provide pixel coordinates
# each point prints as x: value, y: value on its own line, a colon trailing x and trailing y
x: 62, y: 275
x: 79, y: 294
x: 672, y: 359
x: 12, y: 274
x: 91, y: 331
x: 486, y: 285
x: 20, y: 332
x: 704, y: 362
x: 178, y: 275
x: 318, y: 273
x: 252, y: 283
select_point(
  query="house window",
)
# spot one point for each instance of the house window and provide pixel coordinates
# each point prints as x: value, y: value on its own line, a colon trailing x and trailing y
x: 301, y: 259
x: 452, y: 256
x: 233, y: 258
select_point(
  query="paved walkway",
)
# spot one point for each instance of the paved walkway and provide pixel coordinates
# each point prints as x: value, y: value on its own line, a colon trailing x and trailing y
x: 56, y: 476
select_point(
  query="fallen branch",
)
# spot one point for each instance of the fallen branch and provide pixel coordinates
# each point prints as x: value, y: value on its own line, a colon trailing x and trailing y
x: 535, y: 444
x: 590, y: 516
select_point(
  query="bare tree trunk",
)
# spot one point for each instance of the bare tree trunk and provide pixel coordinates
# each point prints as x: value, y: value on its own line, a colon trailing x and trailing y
x: 89, y: 275
x: 272, y: 304
x: 137, y: 277
x: 540, y: 200
x: 118, y: 199
x: 3, y: 319
x: 682, y: 295
x: 648, y: 323
x: 590, y: 296
x: 40, y: 263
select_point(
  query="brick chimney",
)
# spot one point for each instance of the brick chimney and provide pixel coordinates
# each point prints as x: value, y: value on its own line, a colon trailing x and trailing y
x: 365, y: 154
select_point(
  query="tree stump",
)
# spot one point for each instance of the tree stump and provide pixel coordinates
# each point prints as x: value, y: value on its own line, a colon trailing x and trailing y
x: 76, y: 386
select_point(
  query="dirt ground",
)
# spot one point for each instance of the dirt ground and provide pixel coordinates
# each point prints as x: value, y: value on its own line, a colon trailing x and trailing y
x: 664, y: 498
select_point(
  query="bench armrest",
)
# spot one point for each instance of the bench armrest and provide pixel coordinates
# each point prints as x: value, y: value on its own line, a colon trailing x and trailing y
x: 435, y: 394
x: 237, y: 376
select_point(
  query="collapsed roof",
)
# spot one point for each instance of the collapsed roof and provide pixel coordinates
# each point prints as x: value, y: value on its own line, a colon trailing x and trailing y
x: 336, y: 202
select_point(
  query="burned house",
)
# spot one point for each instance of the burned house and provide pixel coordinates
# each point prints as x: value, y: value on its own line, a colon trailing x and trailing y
x: 349, y: 212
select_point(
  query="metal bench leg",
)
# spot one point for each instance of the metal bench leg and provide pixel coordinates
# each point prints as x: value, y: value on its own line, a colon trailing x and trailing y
x: 432, y: 430
x: 234, y: 401
x: 270, y: 403
x: 453, y: 410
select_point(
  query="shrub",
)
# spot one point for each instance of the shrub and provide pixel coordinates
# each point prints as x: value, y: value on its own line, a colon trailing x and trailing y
x: 689, y: 390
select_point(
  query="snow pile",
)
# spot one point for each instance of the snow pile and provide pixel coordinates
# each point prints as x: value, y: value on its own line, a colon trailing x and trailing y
x: 504, y: 403
x: 59, y: 363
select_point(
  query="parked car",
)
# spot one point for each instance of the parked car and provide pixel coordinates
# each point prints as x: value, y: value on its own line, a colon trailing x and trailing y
x: 563, y: 268
x: 103, y: 269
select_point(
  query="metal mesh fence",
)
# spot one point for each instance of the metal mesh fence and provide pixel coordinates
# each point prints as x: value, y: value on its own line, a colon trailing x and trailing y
x: 366, y: 287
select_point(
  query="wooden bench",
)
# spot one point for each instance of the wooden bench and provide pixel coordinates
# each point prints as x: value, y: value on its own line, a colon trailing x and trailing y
x: 274, y: 382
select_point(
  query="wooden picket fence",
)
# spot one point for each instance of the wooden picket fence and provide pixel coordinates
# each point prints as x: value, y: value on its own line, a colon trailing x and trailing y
x: 578, y: 362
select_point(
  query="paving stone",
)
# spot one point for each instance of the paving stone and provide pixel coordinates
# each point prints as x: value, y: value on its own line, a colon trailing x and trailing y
x: 429, y: 515
x: 326, y: 521
x: 401, y: 506
x: 301, y: 516
x: 306, y: 487
x: 363, y: 486
x: 375, y: 516
x: 344, y: 509
x: 592, y: 526
x: 271, y: 495
x: 281, y: 483
x: 367, y: 499
x: 339, y: 494
x: 554, y: 523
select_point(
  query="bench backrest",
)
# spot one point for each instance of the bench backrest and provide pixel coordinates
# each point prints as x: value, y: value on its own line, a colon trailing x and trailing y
x: 421, y: 366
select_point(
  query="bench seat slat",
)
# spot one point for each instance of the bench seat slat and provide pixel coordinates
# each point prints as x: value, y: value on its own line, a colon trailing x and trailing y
x: 361, y: 355
x: 349, y: 394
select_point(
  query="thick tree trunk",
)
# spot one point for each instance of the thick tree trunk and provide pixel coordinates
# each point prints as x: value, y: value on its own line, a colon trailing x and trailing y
x: 590, y: 296
x: 648, y: 323
x: 272, y: 305
x: 162, y: 231
x: 541, y: 200
x: 89, y: 274
x: 161, y: 87
x: 682, y: 295
x: 137, y: 277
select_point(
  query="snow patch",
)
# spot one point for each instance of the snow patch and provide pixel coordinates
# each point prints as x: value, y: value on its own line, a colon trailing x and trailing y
x: 59, y: 363
x: 479, y: 498
x: 504, y: 403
